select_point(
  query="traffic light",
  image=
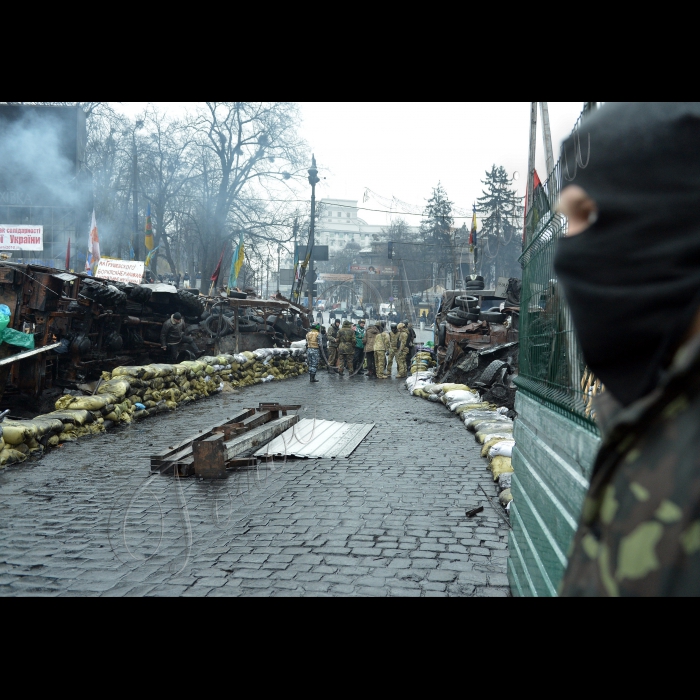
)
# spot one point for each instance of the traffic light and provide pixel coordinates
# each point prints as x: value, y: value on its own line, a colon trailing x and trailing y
x: 391, y: 250
x: 314, y: 290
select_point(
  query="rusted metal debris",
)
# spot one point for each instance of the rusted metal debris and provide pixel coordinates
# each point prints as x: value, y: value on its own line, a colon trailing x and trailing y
x: 84, y: 325
x: 213, y: 453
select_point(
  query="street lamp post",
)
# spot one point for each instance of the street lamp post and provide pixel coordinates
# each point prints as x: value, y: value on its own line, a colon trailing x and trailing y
x: 310, y: 274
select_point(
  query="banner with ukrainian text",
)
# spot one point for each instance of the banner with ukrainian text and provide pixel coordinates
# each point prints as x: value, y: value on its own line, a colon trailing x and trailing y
x: 21, y: 237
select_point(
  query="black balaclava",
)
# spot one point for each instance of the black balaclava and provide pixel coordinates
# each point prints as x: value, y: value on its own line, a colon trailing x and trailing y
x: 632, y: 279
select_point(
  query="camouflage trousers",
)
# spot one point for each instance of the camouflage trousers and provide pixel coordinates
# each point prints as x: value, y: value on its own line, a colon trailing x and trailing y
x: 380, y: 363
x: 345, y: 360
x: 401, y: 362
x: 312, y: 356
x: 332, y: 356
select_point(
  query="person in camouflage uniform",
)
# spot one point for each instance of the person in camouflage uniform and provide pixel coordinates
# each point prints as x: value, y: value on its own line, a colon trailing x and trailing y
x: 639, y: 533
x: 333, y: 345
x: 393, y: 349
x: 632, y: 235
x: 312, y: 351
x: 402, y: 351
x: 381, y: 345
x: 346, y: 347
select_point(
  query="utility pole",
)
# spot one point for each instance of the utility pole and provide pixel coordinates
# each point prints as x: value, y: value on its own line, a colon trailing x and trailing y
x: 311, y: 274
x: 531, y: 161
x: 547, y: 138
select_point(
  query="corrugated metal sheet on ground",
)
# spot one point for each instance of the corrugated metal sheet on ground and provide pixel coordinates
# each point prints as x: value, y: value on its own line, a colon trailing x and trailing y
x: 314, y: 438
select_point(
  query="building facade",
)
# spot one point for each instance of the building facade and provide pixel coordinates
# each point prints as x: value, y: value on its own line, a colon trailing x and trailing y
x: 339, y: 225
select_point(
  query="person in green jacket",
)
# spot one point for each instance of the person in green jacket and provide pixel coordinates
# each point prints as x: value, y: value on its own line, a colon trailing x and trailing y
x: 359, y: 357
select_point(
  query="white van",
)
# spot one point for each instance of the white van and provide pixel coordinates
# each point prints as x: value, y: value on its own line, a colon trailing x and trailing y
x: 384, y: 309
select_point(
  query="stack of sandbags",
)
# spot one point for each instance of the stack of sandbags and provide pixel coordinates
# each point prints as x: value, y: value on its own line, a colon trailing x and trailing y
x: 131, y: 393
x: 421, y: 362
x: 21, y: 438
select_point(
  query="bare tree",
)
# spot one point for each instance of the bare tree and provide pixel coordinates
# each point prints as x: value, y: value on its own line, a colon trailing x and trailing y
x: 248, y: 150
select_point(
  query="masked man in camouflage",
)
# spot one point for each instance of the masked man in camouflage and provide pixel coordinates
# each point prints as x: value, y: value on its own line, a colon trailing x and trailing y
x: 346, y: 347
x: 633, y: 237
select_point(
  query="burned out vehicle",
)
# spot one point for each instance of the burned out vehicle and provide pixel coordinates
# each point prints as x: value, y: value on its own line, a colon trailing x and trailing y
x: 83, y: 325
x: 476, y: 340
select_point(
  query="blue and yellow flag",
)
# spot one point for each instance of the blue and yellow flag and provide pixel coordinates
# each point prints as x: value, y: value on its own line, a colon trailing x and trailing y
x: 149, y: 257
x: 236, y: 263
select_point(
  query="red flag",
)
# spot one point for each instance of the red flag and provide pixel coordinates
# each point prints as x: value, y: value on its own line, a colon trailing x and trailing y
x: 68, y: 256
x: 217, y: 271
x: 535, y: 184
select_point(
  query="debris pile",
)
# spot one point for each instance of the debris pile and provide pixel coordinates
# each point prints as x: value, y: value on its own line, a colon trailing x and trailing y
x: 491, y: 425
x: 132, y: 393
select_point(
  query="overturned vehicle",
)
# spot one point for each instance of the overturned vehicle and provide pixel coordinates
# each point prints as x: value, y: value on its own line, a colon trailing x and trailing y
x: 476, y: 339
x: 66, y: 328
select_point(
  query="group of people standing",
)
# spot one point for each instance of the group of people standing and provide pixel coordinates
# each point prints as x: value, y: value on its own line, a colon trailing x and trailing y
x: 370, y: 351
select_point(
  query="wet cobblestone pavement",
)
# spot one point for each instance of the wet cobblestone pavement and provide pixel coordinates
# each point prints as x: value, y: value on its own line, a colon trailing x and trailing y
x: 88, y: 519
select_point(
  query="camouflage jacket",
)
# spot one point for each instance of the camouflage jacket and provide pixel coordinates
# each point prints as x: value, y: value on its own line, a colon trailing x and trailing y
x: 333, y: 336
x: 393, y: 340
x: 346, y: 341
x: 639, y: 532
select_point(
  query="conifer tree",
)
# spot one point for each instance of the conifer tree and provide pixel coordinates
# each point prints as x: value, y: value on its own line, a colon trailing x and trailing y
x: 499, y: 244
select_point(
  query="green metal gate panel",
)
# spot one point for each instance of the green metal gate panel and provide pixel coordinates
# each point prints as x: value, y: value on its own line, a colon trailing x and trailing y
x: 552, y: 459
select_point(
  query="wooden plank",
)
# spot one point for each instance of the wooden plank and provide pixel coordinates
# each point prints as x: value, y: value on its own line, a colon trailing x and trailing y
x: 208, y: 455
x: 162, y: 462
x: 259, y: 436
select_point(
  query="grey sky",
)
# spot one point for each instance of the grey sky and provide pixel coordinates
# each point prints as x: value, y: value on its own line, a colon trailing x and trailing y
x: 403, y: 149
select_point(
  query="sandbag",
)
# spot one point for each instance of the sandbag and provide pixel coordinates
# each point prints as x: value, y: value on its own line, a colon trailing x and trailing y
x: 502, y: 449
x: 11, y: 456
x: 485, y: 437
x: 459, y: 397
x: 504, y: 480
x: 91, y: 403
x: 135, y: 372
x: 500, y: 465
x: 479, y: 424
x: 505, y: 497
x: 118, y: 387
x: 454, y: 387
x: 77, y: 417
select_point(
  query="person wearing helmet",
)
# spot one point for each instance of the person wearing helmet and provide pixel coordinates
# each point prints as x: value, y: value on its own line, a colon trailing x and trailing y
x: 402, y: 351
x: 410, y: 345
x: 312, y: 351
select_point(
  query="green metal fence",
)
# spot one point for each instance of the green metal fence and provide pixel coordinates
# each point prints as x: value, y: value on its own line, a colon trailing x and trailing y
x: 552, y: 368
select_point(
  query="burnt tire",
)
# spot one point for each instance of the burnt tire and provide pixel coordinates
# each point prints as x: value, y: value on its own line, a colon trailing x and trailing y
x: 489, y: 374
x: 466, y: 302
x: 492, y: 317
x: 189, y: 304
x: 456, y: 320
x: 218, y: 325
x: 442, y: 331
x: 100, y: 293
x: 245, y: 326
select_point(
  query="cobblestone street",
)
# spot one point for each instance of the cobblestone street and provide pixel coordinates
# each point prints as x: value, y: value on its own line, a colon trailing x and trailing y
x: 88, y: 519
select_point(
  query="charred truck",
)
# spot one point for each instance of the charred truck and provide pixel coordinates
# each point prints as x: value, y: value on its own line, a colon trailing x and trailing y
x: 476, y: 337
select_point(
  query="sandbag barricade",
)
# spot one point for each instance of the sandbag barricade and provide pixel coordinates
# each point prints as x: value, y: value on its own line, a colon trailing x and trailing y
x: 492, y: 428
x: 133, y: 393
